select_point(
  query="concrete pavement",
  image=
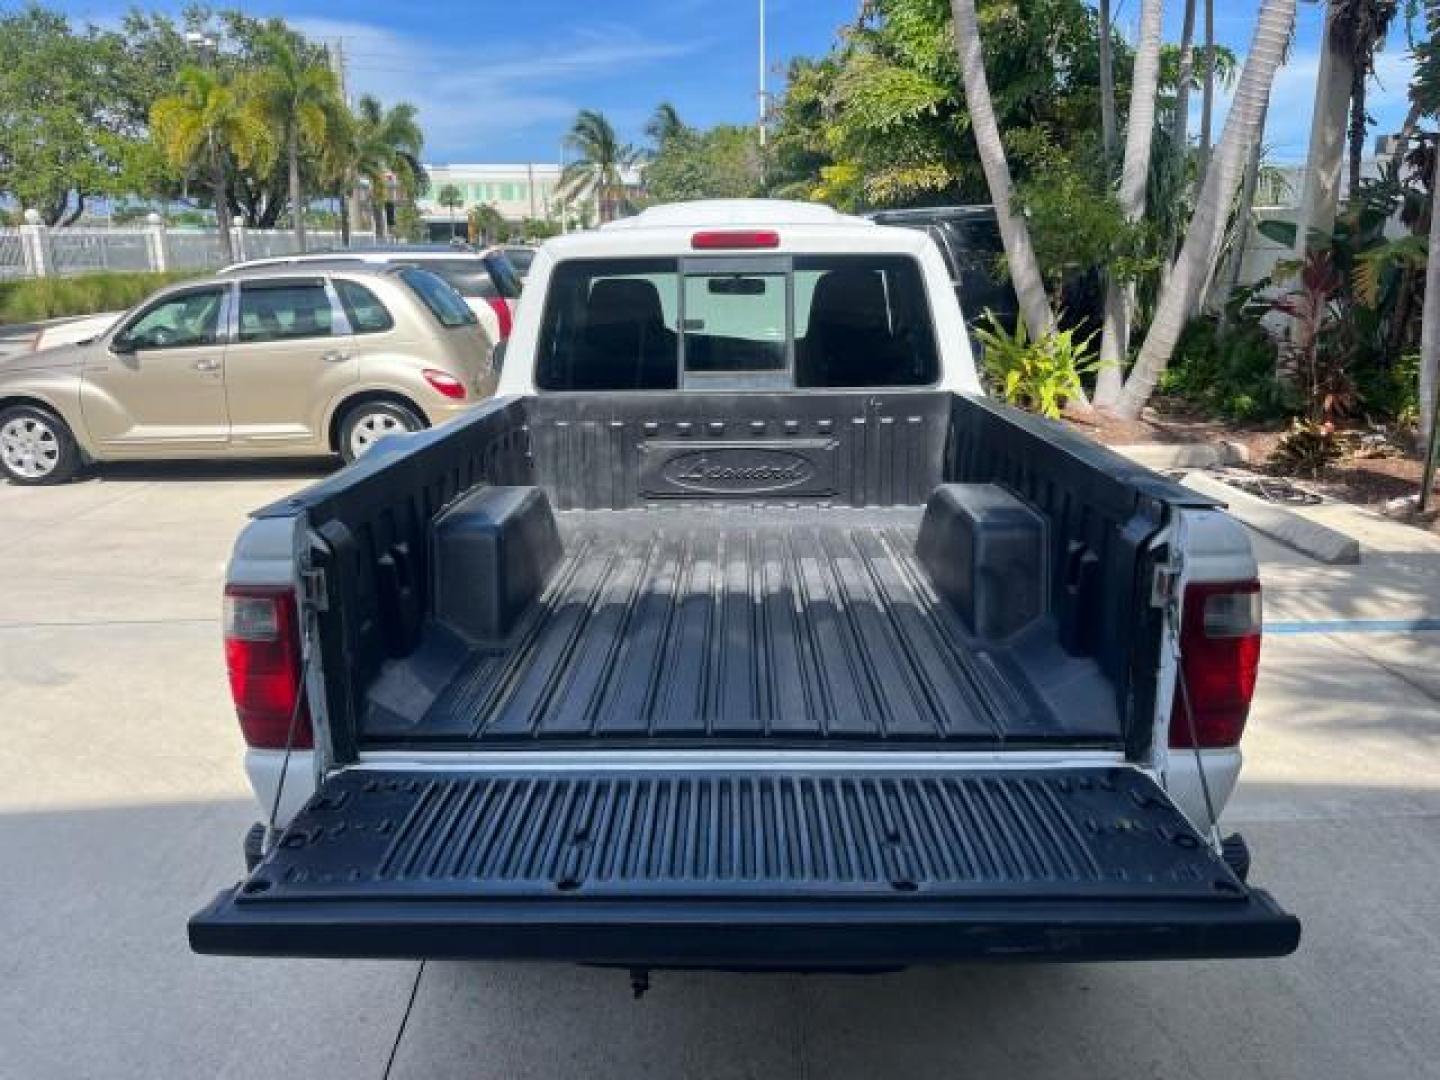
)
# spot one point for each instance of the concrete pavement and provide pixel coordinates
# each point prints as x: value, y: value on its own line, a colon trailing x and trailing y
x: 123, y: 803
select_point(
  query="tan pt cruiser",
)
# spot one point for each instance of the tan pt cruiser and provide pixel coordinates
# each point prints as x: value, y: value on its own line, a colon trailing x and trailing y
x: 282, y: 362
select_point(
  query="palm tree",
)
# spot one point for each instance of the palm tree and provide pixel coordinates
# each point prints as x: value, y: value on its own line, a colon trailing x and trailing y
x: 1362, y: 26
x: 1320, y: 193
x: 1107, y: 86
x: 389, y: 143
x: 598, y: 168
x: 1120, y: 299
x: 300, y: 97
x: 452, y: 199
x: 1202, y: 239
x: 665, y: 124
x: 1207, y: 99
x: 1019, y: 252
x: 204, y: 125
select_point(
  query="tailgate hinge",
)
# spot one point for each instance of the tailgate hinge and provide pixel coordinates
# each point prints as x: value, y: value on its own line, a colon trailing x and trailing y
x: 1164, y: 587
x: 313, y: 591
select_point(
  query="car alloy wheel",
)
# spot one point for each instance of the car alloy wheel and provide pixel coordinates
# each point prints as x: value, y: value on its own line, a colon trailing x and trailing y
x: 30, y: 447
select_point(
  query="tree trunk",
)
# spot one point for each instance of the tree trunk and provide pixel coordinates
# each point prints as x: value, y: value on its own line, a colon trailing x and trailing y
x: 344, y: 218
x: 222, y: 207
x: 1120, y: 298
x: 74, y: 215
x: 1244, y: 212
x: 1430, y: 315
x: 1321, y: 191
x: 297, y: 204
x: 1357, y: 127
x: 1202, y: 238
x: 1019, y: 253
x: 1207, y: 99
x: 1180, y: 122
x: 1107, y: 87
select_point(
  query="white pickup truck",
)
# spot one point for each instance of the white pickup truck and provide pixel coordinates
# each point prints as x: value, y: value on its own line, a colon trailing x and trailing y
x: 743, y: 631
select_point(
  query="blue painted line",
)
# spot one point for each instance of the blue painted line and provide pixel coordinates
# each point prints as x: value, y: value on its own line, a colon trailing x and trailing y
x: 1356, y: 626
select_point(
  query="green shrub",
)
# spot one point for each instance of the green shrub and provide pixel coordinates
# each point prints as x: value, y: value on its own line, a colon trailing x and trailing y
x: 1037, y: 375
x: 37, y: 299
x: 1308, y: 449
x: 1231, y: 375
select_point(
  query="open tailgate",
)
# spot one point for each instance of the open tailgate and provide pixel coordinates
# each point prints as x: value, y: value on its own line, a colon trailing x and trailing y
x: 744, y: 869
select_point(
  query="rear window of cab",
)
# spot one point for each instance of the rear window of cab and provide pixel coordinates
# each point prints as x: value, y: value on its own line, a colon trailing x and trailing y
x: 750, y: 323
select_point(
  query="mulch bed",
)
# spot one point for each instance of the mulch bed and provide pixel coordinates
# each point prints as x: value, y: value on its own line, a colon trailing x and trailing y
x: 1363, y: 479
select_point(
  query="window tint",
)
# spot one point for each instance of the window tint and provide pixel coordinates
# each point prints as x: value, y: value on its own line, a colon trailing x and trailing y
x: 192, y: 318
x: 469, y: 277
x: 610, y: 325
x: 442, y: 300
x: 521, y: 259
x: 366, y: 313
x: 282, y: 310
x: 862, y: 321
x: 735, y: 322
x: 858, y: 322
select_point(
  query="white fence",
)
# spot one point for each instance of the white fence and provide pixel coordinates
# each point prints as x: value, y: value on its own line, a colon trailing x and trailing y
x: 33, y: 250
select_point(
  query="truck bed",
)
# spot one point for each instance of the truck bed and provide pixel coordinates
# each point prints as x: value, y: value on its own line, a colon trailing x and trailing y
x: 738, y: 625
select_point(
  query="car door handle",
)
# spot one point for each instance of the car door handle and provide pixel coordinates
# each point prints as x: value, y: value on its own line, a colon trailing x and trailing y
x: 207, y: 363
x: 335, y: 356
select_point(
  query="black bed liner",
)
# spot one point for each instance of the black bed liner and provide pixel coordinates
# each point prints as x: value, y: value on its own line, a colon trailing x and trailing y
x: 728, y: 868
x: 751, y: 624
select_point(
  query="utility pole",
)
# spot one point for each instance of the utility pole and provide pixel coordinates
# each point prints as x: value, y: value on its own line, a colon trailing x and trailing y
x: 763, y: 94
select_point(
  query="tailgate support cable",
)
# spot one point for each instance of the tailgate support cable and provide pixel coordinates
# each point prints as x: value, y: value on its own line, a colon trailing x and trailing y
x: 1172, y: 616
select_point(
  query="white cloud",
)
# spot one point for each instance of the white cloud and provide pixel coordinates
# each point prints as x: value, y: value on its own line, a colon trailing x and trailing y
x: 467, y: 97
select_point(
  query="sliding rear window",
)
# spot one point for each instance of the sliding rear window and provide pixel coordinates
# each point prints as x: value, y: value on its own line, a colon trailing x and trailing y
x: 752, y: 323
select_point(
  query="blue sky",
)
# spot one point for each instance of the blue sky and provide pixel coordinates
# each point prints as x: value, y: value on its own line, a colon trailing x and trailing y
x: 501, y: 82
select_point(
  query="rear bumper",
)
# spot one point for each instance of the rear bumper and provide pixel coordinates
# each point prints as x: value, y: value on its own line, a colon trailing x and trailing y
x: 752, y: 937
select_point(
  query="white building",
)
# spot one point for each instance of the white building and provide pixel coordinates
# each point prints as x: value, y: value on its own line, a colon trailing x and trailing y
x: 518, y: 192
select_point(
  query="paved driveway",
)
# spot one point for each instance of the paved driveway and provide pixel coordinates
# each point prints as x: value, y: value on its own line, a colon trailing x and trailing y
x: 122, y: 804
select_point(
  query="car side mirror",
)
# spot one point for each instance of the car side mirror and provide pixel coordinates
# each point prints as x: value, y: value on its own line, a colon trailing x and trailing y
x: 497, y: 357
x: 122, y: 346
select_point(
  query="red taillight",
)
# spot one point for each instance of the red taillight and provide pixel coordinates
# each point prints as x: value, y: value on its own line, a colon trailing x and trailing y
x: 729, y: 239
x: 1220, y: 656
x: 262, y: 653
x: 445, y: 383
x: 501, y: 307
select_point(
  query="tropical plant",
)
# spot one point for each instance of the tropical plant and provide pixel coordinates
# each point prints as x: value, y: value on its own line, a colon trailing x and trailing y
x: 600, y: 163
x: 1308, y: 449
x: 388, y: 143
x: 452, y: 198
x: 1203, y: 238
x: 665, y: 124
x: 486, y: 225
x: 722, y: 162
x: 299, y: 97
x: 204, y: 124
x: 1310, y: 355
x: 1040, y: 375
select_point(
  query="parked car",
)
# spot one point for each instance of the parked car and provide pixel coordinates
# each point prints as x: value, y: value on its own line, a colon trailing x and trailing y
x: 743, y: 632
x: 521, y: 257
x: 486, y: 279
x: 969, y: 241
x: 270, y: 362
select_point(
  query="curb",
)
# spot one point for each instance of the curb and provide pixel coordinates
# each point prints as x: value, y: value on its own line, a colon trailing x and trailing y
x: 1185, y: 455
x: 1319, y: 542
